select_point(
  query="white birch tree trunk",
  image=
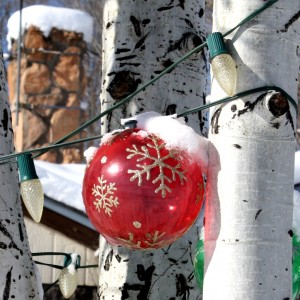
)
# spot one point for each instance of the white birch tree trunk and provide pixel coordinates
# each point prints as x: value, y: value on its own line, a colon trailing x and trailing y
x: 140, y: 39
x: 248, y: 217
x: 17, y: 275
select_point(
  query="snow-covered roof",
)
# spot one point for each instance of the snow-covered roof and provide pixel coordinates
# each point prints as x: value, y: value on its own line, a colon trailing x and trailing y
x: 48, y: 17
x: 62, y: 182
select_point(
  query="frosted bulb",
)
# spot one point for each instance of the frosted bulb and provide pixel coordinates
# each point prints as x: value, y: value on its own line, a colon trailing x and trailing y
x: 224, y: 71
x: 33, y: 198
x: 68, y: 280
x: 222, y: 64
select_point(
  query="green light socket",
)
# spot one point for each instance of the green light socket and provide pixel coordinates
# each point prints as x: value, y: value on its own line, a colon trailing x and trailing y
x: 68, y: 261
x: 216, y: 44
x: 26, y: 167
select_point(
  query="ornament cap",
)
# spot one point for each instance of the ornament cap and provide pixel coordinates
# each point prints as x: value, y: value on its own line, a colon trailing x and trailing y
x: 26, y: 167
x: 216, y: 44
x: 130, y: 124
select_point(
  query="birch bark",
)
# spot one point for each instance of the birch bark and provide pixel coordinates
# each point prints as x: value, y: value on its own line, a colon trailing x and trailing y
x: 140, y: 39
x: 17, y: 277
x: 248, y: 218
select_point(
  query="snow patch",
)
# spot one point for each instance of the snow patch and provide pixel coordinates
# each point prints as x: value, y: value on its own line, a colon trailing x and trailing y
x: 89, y: 153
x: 175, y: 133
x: 62, y: 183
x: 48, y: 17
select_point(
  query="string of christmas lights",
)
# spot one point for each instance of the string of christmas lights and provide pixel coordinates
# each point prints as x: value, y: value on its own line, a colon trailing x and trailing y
x: 31, y: 189
x: 68, y: 277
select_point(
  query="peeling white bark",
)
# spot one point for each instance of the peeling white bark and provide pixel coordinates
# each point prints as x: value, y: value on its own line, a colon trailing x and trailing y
x: 248, y: 218
x: 17, y: 275
x: 140, y: 39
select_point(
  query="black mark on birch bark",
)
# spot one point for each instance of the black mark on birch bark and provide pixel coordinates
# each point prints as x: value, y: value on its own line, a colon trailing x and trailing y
x: 126, y: 57
x: 188, y: 22
x: 166, y: 64
x: 165, y: 8
x: 145, y: 22
x: 21, y: 232
x: 249, y: 106
x: 187, y: 42
x: 215, y: 121
x: 144, y: 276
x: 108, y: 25
x: 141, y: 42
x: 3, y: 246
x: 122, y: 85
x: 108, y: 261
x: 237, y: 146
x: 182, y: 288
x: 6, y: 291
x: 290, y: 119
x: 7, y: 234
x: 173, y: 261
x: 257, y: 213
x: 171, y: 109
x: 291, y: 233
x: 122, y: 50
x: 181, y: 4
x: 118, y: 258
x: 5, y: 119
x: 201, y: 12
x: 136, y: 25
x: 293, y: 19
x: 180, y: 92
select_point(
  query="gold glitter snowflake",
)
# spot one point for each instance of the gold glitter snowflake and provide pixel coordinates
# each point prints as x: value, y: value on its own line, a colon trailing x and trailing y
x: 159, y: 162
x: 104, y: 194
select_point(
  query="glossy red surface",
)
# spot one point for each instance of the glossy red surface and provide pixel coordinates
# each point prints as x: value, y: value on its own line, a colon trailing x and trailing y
x: 140, y: 194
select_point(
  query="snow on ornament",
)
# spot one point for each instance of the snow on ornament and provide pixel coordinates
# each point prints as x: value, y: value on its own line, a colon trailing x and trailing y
x: 143, y: 190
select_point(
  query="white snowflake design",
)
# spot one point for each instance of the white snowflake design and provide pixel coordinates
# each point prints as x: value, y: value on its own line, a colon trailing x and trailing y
x: 104, y: 194
x: 158, y: 162
x: 150, y: 241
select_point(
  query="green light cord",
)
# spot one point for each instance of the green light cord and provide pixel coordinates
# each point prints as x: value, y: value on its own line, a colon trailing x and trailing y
x: 61, y: 267
x: 6, y: 158
x: 67, y: 262
x: 251, y: 16
x: 165, y: 71
x: 240, y: 95
x: 61, y: 142
x: 47, y: 148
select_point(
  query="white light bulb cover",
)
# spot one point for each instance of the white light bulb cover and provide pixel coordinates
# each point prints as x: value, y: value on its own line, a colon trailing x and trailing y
x: 222, y: 64
x: 68, y: 280
x: 31, y: 188
x: 224, y: 71
x: 33, y: 197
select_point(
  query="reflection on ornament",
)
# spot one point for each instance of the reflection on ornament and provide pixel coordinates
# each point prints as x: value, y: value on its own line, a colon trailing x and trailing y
x: 31, y: 188
x: 140, y: 193
x: 68, y: 277
x: 222, y: 64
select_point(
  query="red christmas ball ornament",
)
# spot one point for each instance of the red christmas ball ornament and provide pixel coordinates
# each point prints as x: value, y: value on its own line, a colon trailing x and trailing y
x: 140, y: 193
